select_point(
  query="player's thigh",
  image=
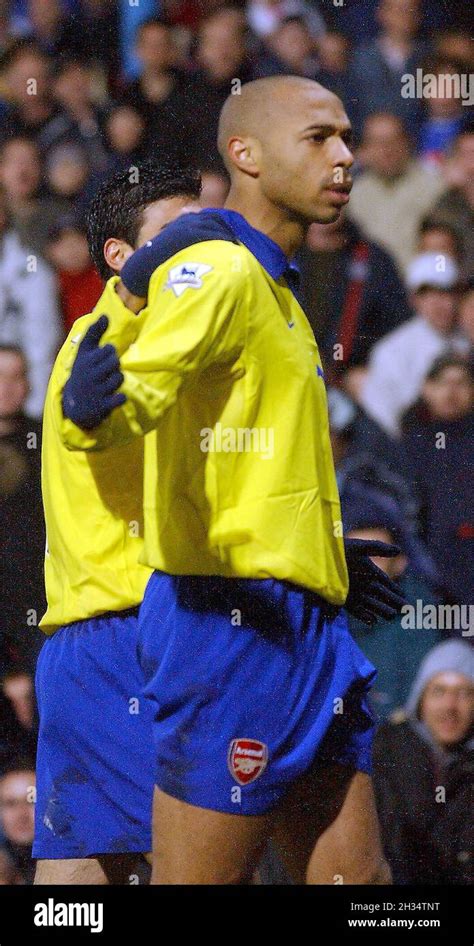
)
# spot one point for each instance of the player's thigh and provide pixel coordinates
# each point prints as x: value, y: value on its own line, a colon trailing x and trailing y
x: 72, y: 871
x: 104, y: 869
x: 350, y: 850
x: 194, y: 845
x: 327, y: 831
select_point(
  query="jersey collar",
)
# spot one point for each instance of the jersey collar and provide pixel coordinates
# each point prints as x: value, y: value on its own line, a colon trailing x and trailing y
x: 265, y: 250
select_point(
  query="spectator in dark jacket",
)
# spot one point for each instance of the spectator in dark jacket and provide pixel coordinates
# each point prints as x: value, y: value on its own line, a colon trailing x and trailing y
x: 32, y: 212
x: 54, y: 31
x: 22, y: 534
x: 289, y: 50
x: 158, y: 94
x: 375, y: 75
x: 352, y: 292
x: 292, y: 50
x: 439, y: 448
x: 18, y: 715
x: 26, y: 72
x: 221, y: 59
x: 444, y: 114
x: 456, y: 205
x: 126, y: 139
x: 73, y: 91
x: 396, y: 652
x: 423, y: 773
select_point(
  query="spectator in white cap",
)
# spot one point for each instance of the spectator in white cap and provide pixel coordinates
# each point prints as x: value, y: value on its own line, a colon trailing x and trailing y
x: 265, y: 16
x: 423, y: 773
x: 399, y: 362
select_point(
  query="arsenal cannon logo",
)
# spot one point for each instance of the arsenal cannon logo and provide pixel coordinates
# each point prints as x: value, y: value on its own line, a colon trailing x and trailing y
x: 247, y: 759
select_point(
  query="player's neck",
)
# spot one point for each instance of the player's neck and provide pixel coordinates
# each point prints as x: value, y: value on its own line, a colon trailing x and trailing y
x: 271, y: 220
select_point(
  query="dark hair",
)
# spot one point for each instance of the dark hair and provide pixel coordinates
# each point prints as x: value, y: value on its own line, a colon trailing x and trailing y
x: 297, y: 18
x: 160, y: 21
x: 18, y: 763
x: 467, y: 128
x: 12, y: 349
x: 418, y: 413
x: 226, y: 6
x: 438, y: 223
x: 449, y: 360
x: 443, y: 63
x: 401, y: 122
x: 118, y: 206
x: 17, y: 48
x: 66, y: 62
x: 64, y: 223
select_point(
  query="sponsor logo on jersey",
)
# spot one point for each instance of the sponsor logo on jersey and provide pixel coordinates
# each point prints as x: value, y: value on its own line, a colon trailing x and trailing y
x: 247, y: 759
x: 186, y: 276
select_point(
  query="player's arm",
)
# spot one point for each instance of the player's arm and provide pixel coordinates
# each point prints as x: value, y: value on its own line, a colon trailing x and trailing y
x: 195, y: 317
x: 89, y: 387
x: 83, y: 338
x: 187, y: 230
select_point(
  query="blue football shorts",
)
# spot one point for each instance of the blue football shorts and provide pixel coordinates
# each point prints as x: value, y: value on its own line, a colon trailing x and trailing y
x: 95, y: 761
x: 251, y: 682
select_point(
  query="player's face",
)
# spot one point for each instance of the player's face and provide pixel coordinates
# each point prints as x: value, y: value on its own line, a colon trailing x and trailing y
x: 157, y: 215
x: 304, y: 165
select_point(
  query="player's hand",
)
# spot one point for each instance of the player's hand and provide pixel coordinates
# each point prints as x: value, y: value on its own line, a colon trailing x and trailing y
x: 91, y: 392
x: 372, y: 594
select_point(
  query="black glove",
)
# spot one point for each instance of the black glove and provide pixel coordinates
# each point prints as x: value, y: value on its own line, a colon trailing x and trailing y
x: 372, y: 594
x: 90, y: 394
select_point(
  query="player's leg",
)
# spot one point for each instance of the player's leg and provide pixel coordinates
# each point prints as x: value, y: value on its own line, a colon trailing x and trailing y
x: 109, y: 869
x: 337, y: 838
x: 71, y: 871
x: 240, y: 713
x: 95, y: 754
x: 194, y: 845
x: 327, y: 831
x: 205, y: 676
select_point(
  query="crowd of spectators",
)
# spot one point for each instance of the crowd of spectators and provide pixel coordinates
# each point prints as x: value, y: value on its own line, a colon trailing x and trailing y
x: 91, y: 86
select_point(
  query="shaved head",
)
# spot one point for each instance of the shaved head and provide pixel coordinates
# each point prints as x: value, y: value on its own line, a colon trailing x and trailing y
x: 285, y: 143
x: 262, y: 106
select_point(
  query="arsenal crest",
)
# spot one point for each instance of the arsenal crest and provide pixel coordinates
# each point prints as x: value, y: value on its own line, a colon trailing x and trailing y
x: 247, y: 759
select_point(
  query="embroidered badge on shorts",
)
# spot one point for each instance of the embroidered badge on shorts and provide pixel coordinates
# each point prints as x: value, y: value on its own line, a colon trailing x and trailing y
x: 247, y: 759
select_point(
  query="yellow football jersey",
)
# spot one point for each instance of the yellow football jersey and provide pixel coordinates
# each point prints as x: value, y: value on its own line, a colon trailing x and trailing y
x: 93, y: 503
x: 239, y: 476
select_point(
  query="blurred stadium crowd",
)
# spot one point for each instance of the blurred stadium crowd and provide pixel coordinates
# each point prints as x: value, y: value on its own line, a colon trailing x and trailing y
x: 90, y: 86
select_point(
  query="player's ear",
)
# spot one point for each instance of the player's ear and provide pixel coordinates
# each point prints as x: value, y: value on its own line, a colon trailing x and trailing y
x: 116, y: 253
x: 242, y: 153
